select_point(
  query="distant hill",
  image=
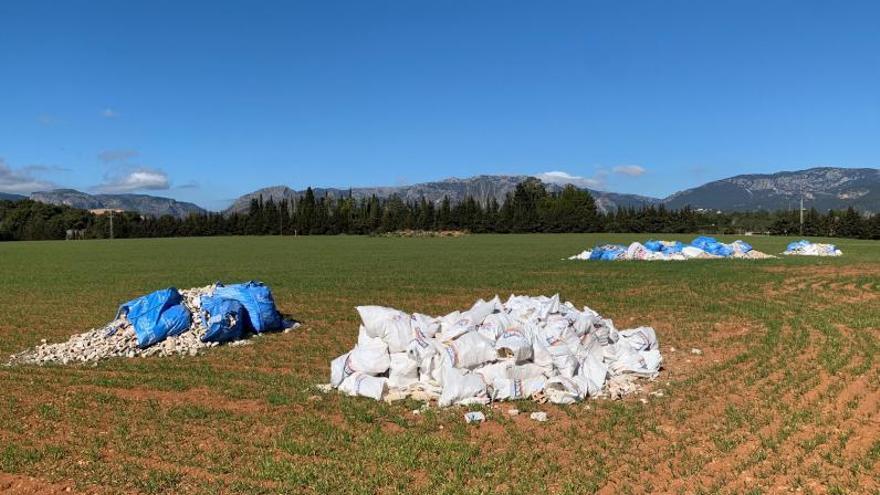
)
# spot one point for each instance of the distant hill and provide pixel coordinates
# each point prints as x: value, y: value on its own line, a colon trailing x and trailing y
x: 823, y: 188
x: 141, y: 203
x: 481, y: 187
x: 11, y: 197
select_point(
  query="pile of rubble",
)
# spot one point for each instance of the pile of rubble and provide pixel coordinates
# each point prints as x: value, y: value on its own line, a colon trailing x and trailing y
x: 425, y: 233
x: 525, y: 348
x: 122, y: 338
x: 699, y: 248
x: 807, y: 248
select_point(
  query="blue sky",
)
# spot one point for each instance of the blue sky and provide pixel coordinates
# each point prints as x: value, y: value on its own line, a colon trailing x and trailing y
x: 206, y: 101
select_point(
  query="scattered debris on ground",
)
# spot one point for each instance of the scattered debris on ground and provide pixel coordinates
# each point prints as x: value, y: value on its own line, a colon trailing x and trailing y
x: 525, y: 348
x: 169, y: 322
x: 804, y: 247
x: 474, y: 417
x: 700, y: 248
x: 540, y: 416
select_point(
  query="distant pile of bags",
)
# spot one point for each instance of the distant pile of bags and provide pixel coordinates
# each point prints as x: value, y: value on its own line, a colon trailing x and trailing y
x: 700, y: 248
x: 526, y: 347
x: 226, y: 311
x: 807, y: 248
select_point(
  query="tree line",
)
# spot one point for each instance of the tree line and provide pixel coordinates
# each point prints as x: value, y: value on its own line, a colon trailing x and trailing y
x: 529, y: 208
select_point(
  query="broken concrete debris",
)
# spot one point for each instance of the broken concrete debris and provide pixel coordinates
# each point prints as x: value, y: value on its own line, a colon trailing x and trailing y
x: 700, y: 248
x: 474, y: 417
x: 525, y: 348
x: 169, y: 322
x: 540, y: 416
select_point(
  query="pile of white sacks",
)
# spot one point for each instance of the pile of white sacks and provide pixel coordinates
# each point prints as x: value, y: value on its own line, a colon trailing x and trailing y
x: 526, y: 347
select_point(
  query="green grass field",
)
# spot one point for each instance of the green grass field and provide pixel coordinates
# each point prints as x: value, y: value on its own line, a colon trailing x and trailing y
x: 784, y: 396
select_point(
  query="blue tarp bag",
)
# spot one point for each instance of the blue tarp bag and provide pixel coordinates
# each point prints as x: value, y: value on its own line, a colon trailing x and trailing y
x: 674, y: 248
x: 794, y: 246
x: 608, y: 252
x: 712, y: 246
x: 664, y: 247
x: 613, y: 254
x: 719, y: 249
x: 156, y: 315
x: 177, y: 319
x: 744, y: 247
x: 702, y: 242
x: 262, y: 315
x: 224, y: 319
x: 655, y: 246
x: 596, y: 254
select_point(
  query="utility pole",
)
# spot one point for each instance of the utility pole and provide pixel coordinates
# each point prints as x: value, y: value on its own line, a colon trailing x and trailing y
x: 802, y: 214
x: 111, y: 224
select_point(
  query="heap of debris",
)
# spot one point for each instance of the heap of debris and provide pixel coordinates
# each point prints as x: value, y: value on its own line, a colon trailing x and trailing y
x: 525, y: 348
x: 119, y: 338
x: 425, y: 233
x: 807, y: 248
x: 699, y: 248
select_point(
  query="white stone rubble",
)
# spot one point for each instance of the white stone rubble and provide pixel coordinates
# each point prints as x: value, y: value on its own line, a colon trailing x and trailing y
x: 539, y: 416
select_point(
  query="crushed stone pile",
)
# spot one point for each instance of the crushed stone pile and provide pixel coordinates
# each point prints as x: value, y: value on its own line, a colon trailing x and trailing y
x: 804, y: 247
x: 525, y: 348
x: 699, y: 248
x: 164, y: 323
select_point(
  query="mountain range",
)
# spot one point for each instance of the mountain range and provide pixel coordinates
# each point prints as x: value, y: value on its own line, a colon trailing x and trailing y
x: 11, y: 197
x: 481, y: 187
x: 141, y: 203
x: 822, y: 188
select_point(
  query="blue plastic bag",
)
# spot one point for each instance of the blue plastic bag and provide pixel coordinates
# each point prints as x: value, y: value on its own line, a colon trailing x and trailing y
x: 796, y: 245
x: 156, y: 316
x: 675, y: 247
x: 702, y: 242
x: 177, y: 319
x: 742, y: 246
x: 712, y: 246
x: 262, y: 315
x: 665, y: 247
x: 655, y: 246
x: 224, y: 319
x: 608, y: 252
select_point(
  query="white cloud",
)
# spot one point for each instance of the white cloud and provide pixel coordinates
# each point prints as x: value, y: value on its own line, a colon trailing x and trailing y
x: 562, y: 178
x: 109, y: 113
x: 142, y: 179
x: 629, y: 170
x: 22, y: 181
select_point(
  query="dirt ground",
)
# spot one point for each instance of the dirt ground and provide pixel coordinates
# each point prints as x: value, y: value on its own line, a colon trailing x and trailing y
x: 784, y: 396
